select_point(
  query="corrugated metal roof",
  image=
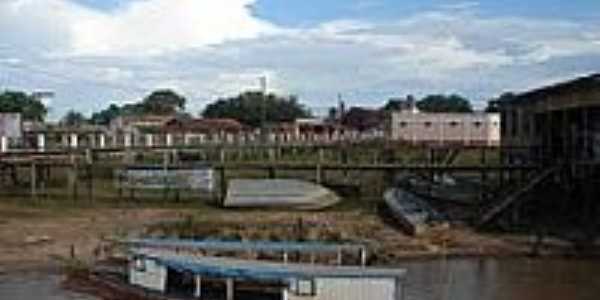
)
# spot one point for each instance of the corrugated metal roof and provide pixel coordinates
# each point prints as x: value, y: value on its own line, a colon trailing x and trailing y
x: 246, y: 269
x: 306, y: 247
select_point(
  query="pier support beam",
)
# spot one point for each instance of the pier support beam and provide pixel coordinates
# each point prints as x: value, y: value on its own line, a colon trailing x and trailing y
x: 41, y: 142
x: 198, y: 289
x: 230, y: 293
x: 3, y: 144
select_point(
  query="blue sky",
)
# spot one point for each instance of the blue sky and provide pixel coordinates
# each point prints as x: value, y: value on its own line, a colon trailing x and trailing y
x: 92, y: 53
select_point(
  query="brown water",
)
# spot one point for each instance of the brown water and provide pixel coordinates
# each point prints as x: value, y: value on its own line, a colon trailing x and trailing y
x: 468, y: 279
x: 506, y: 279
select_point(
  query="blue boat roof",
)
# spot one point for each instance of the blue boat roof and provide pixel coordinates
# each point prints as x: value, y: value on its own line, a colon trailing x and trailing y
x: 219, y: 267
x: 217, y: 245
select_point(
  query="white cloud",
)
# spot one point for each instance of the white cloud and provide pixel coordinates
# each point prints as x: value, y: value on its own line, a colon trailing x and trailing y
x: 148, y: 27
x: 207, y: 49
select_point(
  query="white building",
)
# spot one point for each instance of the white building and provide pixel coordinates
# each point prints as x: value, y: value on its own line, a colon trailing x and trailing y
x: 10, y: 130
x: 478, y: 129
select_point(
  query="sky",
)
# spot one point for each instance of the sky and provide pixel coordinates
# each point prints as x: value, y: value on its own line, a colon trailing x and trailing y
x: 92, y: 53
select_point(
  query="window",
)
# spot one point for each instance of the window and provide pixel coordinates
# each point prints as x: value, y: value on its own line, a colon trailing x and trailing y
x: 454, y: 124
x: 477, y: 124
x: 303, y: 287
x: 139, y: 264
x: 427, y: 124
x: 403, y: 124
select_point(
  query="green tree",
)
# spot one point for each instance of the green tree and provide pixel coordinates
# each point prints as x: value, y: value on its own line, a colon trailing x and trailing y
x: 160, y: 102
x: 363, y: 119
x: 73, y: 118
x: 105, y: 116
x: 444, y: 104
x: 494, y: 104
x: 20, y: 102
x: 163, y: 102
x: 250, y: 108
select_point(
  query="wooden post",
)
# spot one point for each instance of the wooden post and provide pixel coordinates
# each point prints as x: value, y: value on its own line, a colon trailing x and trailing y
x: 319, y: 174
x: 90, y: 181
x: 223, y: 185
x: 230, y: 289
x: 33, y: 178
x: 198, y: 289
x: 4, y: 144
x: 272, y: 173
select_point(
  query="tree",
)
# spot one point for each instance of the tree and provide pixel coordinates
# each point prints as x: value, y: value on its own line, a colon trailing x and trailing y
x: 444, y: 104
x: 73, y: 118
x: 250, y: 108
x: 19, y: 102
x: 398, y: 104
x: 105, y: 116
x: 160, y: 102
x: 163, y: 102
x: 363, y: 119
x: 494, y: 104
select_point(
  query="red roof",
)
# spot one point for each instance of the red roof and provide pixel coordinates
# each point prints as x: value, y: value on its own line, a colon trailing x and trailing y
x: 204, y: 125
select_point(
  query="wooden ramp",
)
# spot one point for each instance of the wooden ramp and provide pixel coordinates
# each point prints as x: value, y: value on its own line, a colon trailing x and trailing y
x: 500, y: 206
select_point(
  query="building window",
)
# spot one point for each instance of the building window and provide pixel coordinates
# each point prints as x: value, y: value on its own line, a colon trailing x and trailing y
x: 427, y: 124
x: 403, y: 124
x: 454, y: 124
x: 477, y: 124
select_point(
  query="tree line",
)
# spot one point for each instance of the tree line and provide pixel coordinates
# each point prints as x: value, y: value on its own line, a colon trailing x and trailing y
x: 249, y: 108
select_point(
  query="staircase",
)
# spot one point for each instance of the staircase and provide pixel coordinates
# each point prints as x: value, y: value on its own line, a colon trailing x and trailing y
x: 504, y: 203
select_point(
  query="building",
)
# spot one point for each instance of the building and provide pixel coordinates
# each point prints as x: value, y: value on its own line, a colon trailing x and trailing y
x: 202, y: 131
x: 480, y: 129
x: 558, y: 122
x: 11, y: 130
x: 167, y: 270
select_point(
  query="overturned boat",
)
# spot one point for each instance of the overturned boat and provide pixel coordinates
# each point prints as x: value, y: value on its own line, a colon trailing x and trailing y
x: 414, y: 214
x: 278, y: 193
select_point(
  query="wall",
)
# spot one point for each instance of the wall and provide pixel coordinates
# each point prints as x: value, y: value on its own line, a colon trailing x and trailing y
x: 352, y: 289
x: 441, y: 128
x: 152, y: 277
x: 10, y: 125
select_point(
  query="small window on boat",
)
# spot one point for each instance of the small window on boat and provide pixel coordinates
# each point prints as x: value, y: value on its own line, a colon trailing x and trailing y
x: 139, y: 264
x: 305, y: 287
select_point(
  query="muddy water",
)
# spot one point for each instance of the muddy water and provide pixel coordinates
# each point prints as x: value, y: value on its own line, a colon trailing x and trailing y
x: 469, y: 279
x: 35, y: 286
x: 506, y: 279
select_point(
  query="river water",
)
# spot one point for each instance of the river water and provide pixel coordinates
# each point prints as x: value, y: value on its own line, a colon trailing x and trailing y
x: 458, y: 279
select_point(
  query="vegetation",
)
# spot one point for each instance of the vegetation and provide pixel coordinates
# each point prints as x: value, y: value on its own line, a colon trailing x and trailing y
x: 19, y: 102
x: 160, y: 102
x: 73, y: 118
x: 444, y: 104
x: 252, y: 108
x: 493, y: 104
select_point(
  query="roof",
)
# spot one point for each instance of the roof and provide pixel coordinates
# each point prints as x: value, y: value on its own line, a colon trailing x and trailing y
x: 306, y: 247
x: 248, y: 269
x: 582, y: 86
x: 204, y: 125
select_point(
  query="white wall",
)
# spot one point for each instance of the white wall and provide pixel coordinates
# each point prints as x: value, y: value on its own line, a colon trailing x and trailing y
x: 446, y: 127
x: 154, y: 277
x: 351, y: 289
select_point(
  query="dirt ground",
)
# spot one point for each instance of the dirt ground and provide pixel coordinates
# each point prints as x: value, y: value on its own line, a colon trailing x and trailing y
x: 34, y: 237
